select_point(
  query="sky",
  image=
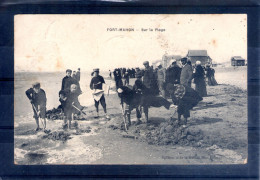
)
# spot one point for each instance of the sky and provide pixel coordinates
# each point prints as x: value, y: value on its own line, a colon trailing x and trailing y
x: 58, y: 42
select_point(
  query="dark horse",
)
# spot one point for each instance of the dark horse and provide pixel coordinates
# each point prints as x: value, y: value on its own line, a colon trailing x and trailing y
x: 137, y: 98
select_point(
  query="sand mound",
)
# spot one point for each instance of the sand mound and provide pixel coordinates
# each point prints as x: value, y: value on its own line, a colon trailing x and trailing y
x: 57, y: 136
x: 171, y: 133
x: 168, y: 133
x: 57, y: 114
x: 85, y: 130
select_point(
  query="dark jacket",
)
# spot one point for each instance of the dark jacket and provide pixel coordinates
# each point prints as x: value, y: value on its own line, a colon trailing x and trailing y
x: 97, y: 82
x: 173, y: 74
x: 37, y: 98
x: 78, y: 75
x: 67, y: 82
x: 199, y: 80
x: 71, y: 98
x: 186, y: 98
x: 199, y: 74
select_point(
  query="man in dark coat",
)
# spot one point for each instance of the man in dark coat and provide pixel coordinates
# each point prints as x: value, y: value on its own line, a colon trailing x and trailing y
x: 67, y: 81
x: 118, y: 78
x: 125, y: 77
x: 199, y: 80
x: 138, y: 73
x: 74, y: 75
x: 38, y: 99
x: 78, y: 75
x: 173, y: 73
x: 161, y: 79
x: 186, y: 73
x: 149, y: 79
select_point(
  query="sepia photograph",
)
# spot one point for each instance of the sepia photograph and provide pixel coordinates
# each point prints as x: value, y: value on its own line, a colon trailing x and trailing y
x: 139, y: 89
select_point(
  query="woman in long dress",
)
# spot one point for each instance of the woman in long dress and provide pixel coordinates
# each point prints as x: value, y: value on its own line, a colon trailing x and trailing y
x: 210, y: 75
x: 199, y: 80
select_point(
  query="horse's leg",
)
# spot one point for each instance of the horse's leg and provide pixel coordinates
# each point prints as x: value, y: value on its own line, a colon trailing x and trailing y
x: 129, y: 118
x: 179, y: 118
x: 146, y: 113
x: 138, y: 114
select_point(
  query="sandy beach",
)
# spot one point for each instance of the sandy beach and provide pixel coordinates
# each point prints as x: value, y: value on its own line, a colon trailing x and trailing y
x: 220, y: 121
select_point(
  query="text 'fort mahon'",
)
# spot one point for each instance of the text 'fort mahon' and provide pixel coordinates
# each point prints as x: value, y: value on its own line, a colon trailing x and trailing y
x: 133, y: 29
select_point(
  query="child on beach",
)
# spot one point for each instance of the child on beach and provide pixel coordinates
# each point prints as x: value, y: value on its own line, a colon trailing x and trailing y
x: 96, y: 85
x: 38, y: 99
x: 70, y: 105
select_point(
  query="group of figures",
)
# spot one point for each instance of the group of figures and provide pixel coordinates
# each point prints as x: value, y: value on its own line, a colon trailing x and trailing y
x: 68, y: 97
x: 153, y: 87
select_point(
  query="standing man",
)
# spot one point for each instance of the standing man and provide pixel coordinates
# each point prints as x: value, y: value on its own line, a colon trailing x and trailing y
x: 74, y: 75
x: 138, y: 73
x: 67, y: 81
x: 186, y: 73
x: 118, y: 78
x: 148, y: 77
x: 161, y: 79
x: 38, y: 99
x: 78, y: 75
x: 173, y: 73
x: 96, y: 85
x: 148, y: 83
x: 110, y: 74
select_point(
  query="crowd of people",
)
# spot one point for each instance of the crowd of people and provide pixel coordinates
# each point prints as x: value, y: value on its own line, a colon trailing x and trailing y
x: 173, y: 82
x: 152, y: 87
x: 158, y: 77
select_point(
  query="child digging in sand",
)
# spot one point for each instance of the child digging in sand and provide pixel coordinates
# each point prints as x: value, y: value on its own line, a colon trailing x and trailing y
x: 38, y: 99
x: 70, y: 105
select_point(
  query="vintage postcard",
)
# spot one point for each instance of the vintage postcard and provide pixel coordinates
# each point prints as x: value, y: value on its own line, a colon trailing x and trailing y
x: 130, y: 89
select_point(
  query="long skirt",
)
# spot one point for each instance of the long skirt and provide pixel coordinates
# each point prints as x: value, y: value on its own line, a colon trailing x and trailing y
x: 200, y: 87
x: 212, y: 81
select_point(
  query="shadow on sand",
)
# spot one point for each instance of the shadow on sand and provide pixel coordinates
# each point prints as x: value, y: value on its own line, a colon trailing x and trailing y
x: 204, y: 120
x: 204, y: 105
x: 156, y: 121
